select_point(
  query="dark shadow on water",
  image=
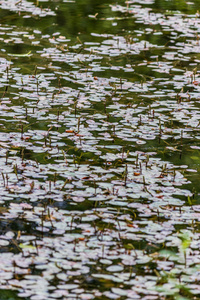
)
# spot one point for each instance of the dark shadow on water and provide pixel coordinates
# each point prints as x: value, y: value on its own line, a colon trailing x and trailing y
x: 10, y: 295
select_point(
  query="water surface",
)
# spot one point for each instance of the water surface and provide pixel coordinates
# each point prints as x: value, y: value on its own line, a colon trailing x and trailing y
x: 99, y: 194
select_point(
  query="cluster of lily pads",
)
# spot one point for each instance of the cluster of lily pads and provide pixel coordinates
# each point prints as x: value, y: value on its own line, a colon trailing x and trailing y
x: 99, y: 149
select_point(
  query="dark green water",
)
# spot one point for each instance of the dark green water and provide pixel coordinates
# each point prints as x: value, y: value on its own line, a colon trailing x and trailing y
x: 99, y: 149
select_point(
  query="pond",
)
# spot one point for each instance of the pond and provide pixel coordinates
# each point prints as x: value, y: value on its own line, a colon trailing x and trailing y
x: 99, y: 149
